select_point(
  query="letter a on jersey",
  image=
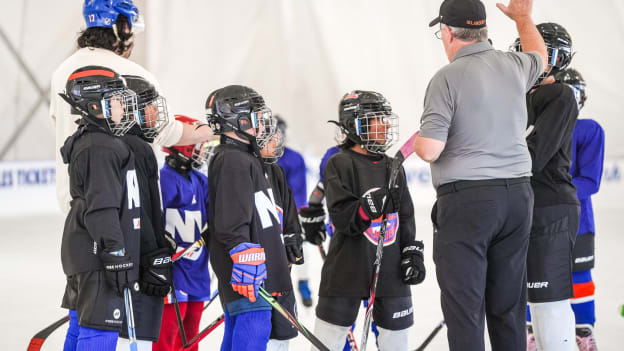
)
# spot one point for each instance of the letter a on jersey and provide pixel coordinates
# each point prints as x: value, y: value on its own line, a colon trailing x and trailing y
x: 266, y: 208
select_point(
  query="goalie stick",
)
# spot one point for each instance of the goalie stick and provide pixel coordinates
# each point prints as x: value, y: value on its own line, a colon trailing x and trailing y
x: 291, y: 319
x: 404, y: 152
x: 37, y: 341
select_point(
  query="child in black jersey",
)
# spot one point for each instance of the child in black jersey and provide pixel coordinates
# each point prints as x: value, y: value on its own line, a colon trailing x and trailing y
x: 356, y: 188
x: 100, y: 246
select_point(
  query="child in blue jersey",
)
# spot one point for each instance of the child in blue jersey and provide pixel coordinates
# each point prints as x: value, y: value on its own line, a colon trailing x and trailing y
x: 185, y: 205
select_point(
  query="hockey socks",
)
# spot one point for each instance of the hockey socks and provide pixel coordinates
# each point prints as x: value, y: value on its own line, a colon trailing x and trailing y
x: 333, y: 336
x: 246, y: 331
x: 86, y: 339
x: 553, y: 325
x: 71, y: 339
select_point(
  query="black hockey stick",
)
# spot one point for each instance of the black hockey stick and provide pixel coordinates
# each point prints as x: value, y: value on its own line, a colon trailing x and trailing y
x: 431, y: 336
x: 292, y: 320
x: 404, y: 152
x: 202, y: 334
x: 178, y: 314
x: 37, y: 341
x: 212, y: 298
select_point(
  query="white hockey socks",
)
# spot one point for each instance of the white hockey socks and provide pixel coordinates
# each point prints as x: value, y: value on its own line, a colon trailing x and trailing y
x: 331, y: 335
x: 553, y: 325
x: 392, y: 340
x: 277, y: 345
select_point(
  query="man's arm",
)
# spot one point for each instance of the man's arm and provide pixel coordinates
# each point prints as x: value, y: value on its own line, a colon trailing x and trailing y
x: 530, y: 38
x: 195, y: 134
x: 428, y: 149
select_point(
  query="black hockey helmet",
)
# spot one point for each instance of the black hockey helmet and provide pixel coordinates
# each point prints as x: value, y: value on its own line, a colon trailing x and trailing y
x: 152, y: 114
x: 558, y: 44
x: 98, y: 92
x: 356, y: 112
x: 239, y: 108
x: 575, y: 80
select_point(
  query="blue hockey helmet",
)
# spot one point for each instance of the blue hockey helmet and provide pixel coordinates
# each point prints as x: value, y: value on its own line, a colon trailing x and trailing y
x: 104, y: 13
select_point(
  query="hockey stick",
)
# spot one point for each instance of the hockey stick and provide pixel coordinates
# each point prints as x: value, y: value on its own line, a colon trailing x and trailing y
x: 291, y: 319
x: 196, y: 245
x: 404, y: 152
x: 37, y: 341
x: 212, y: 298
x: 132, y: 340
x: 431, y: 336
x: 202, y: 334
x: 178, y: 314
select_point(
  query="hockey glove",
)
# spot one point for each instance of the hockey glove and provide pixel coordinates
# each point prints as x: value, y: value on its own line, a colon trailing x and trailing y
x: 249, y: 270
x: 156, y: 273
x: 412, y: 265
x: 294, y: 251
x: 381, y: 201
x: 119, y: 270
x: 313, y: 223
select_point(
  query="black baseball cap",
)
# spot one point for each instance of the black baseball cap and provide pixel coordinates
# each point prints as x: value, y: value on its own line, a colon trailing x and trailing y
x: 461, y: 14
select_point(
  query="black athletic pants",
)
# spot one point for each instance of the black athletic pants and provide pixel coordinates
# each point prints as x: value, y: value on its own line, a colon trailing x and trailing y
x: 480, y: 242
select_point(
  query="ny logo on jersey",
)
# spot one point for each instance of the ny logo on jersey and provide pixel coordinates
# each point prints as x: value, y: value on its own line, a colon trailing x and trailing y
x: 184, y: 226
x: 266, y: 208
x: 132, y: 184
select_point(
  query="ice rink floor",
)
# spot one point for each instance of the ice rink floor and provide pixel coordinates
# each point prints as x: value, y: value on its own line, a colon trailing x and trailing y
x: 33, y: 282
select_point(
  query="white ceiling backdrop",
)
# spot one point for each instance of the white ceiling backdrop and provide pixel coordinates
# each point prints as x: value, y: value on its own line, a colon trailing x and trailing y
x: 301, y: 55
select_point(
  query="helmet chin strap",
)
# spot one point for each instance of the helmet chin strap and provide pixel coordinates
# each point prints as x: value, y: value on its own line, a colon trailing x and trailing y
x: 88, y: 116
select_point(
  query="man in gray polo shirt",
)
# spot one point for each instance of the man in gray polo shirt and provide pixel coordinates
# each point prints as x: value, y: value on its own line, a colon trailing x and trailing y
x: 473, y: 134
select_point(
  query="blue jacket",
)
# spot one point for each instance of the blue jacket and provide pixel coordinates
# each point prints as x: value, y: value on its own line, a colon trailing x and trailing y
x: 295, y: 171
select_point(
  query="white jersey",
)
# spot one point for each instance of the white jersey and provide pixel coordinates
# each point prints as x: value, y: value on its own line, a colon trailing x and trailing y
x: 60, y: 111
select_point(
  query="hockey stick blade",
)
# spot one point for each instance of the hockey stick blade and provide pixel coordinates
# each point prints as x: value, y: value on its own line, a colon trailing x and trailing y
x: 404, y: 152
x: 37, y: 341
x: 291, y: 319
x: 431, y: 336
x: 202, y: 334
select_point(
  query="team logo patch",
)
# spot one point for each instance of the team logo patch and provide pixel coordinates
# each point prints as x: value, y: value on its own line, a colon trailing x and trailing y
x: 372, y: 233
x: 137, y: 223
x: 116, y: 313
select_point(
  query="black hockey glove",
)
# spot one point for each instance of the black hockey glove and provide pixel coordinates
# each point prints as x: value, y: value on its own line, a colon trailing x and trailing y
x: 294, y: 251
x: 313, y: 223
x: 156, y: 274
x: 373, y: 203
x: 412, y: 265
x: 119, y: 271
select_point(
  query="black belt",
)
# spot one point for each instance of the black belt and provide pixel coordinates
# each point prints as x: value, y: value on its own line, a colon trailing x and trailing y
x: 465, y: 184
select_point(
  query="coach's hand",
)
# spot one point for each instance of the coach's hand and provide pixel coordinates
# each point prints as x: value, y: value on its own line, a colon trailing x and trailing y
x: 517, y: 9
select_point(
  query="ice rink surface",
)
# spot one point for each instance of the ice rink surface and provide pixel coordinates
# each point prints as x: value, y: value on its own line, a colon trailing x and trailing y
x: 33, y: 282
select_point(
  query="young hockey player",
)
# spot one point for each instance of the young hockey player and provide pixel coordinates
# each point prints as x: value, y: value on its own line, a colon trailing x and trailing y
x: 294, y: 168
x: 588, y: 142
x: 185, y: 203
x: 100, y: 250
x: 552, y: 113
x: 156, y: 274
x: 356, y: 189
x: 281, y: 329
x: 245, y: 244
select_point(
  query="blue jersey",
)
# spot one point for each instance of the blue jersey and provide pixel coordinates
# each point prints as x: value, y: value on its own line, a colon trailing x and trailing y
x: 295, y: 171
x: 185, y: 206
x: 329, y: 153
x: 586, y: 167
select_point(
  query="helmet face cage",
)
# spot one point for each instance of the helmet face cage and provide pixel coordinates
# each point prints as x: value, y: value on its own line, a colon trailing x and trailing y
x: 153, y: 116
x: 202, y: 154
x: 273, y: 150
x: 264, y: 124
x: 119, y: 109
x: 378, y: 130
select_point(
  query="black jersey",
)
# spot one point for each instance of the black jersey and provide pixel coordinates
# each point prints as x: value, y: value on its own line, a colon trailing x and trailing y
x: 242, y: 209
x: 284, y: 199
x: 348, y: 269
x: 105, y: 205
x: 552, y: 111
x: 147, y: 309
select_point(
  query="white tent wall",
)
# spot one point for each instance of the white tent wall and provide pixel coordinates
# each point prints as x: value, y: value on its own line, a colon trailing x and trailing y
x: 301, y: 55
